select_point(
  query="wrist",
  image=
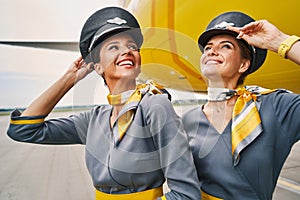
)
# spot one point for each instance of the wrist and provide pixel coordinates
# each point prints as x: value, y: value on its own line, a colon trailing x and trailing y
x: 286, y: 45
x: 69, y: 79
x: 277, y: 41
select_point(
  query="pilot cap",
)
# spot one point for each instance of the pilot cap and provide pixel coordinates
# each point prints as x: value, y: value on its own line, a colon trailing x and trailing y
x: 236, y: 19
x: 107, y: 22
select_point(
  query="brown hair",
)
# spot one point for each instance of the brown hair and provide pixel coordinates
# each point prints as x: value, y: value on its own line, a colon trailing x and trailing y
x: 245, y: 53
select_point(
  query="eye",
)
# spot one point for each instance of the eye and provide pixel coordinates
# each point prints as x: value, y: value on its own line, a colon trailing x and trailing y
x: 207, y: 48
x: 113, y: 47
x: 226, y: 46
x: 133, y: 47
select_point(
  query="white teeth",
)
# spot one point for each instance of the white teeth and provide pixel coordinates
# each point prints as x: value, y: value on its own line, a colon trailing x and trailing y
x: 212, y: 62
x: 126, y: 62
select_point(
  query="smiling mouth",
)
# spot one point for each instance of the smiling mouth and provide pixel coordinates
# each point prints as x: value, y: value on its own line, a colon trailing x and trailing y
x: 125, y: 63
x: 212, y: 62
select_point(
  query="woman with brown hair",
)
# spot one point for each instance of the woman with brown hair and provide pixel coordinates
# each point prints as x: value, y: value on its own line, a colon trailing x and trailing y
x: 134, y: 144
x: 242, y: 136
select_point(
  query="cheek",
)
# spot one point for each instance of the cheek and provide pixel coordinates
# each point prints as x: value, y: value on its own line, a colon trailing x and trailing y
x: 107, y: 64
x: 106, y: 59
x: 138, y: 58
x: 139, y: 69
x: 202, y: 58
x: 201, y: 61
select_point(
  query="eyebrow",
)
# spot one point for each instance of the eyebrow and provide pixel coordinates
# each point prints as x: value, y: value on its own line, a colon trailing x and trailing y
x: 116, y: 42
x: 113, y: 42
x: 222, y: 42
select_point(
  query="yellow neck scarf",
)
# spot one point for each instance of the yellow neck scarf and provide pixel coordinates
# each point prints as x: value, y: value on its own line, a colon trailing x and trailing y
x: 131, y: 100
x: 246, y: 122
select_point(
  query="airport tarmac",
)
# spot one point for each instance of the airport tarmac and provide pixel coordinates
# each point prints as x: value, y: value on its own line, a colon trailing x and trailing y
x: 49, y: 172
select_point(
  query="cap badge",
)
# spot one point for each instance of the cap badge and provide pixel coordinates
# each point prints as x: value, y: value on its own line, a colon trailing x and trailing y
x: 224, y: 24
x: 117, y: 21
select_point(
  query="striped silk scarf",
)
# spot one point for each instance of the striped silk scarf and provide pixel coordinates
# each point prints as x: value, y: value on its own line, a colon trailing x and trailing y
x: 130, y: 100
x: 246, y: 123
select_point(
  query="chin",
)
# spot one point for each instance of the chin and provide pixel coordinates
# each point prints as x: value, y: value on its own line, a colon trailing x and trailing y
x: 209, y: 71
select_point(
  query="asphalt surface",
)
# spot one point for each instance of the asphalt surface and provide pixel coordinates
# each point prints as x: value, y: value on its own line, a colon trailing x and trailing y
x: 35, y: 172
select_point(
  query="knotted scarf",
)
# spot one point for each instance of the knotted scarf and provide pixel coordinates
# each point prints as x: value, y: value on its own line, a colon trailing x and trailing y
x: 246, y: 123
x: 130, y: 100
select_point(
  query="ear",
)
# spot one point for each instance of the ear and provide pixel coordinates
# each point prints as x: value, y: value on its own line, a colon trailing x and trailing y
x: 99, y: 69
x: 244, y: 66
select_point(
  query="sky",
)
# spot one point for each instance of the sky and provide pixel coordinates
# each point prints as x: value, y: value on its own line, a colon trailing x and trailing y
x: 26, y: 72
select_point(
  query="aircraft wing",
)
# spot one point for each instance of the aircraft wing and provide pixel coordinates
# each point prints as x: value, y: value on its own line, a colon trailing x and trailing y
x: 66, y: 46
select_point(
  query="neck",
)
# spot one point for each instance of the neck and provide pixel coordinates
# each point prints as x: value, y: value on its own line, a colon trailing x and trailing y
x: 220, y: 97
x: 217, y: 94
x: 222, y: 84
x: 220, y: 107
x: 228, y: 102
x: 117, y: 87
x: 116, y: 109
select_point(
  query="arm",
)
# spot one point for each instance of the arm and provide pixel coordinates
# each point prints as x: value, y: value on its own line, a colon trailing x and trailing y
x: 30, y: 126
x: 64, y: 130
x: 44, y: 104
x: 287, y: 109
x: 265, y: 35
x: 175, y: 155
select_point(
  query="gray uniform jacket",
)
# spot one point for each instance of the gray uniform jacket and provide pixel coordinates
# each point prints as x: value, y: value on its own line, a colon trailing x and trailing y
x: 256, y: 174
x: 154, y: 148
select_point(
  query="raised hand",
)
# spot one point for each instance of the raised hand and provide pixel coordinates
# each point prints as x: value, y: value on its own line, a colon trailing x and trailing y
x: 80, y: 69
x: 261, y: 34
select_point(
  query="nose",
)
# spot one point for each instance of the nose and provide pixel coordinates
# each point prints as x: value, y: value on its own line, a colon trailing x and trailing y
x: 126, y: 50
x: 211, y: 51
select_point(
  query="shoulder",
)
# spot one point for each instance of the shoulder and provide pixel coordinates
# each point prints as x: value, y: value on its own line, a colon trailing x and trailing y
x: 281, y: 95
x: 273, y: 95
x: 100, y: 108
x: 193, y: 113
x: 95, y: 111
x: 281, y: 102
x: 156, y: 99
x: 157, y: 105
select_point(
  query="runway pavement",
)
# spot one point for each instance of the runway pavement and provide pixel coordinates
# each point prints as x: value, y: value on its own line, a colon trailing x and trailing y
x: 44, y: 172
